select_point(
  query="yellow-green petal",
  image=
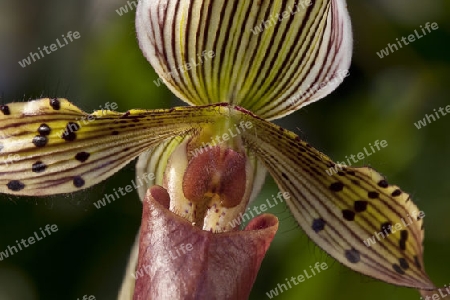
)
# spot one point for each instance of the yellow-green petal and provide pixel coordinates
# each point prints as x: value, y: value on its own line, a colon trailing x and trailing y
x: 212, y: 51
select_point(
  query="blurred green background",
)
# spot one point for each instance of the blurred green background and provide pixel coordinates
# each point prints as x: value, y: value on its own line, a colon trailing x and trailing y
x: 380, y: 100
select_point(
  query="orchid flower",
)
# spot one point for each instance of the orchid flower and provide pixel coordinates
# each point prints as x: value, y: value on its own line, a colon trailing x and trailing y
x: 239, y: 64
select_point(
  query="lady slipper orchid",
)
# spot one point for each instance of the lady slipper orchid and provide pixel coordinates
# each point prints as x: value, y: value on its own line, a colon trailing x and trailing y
x: 239, y: 64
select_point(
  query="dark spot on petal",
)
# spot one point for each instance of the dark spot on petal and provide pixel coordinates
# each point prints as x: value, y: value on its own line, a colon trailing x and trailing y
x: 69, y: 136
x: 284, y: 176
x: 351, y: 173
x: 403, y: 239
x: 386, y: 228
x: 402, y: 245
x: 318, y: 225
x: 373, y: 195
x: 115, y: 132
x: 44, y: 129
x: 126, y: 149
x: 403, y: 263
x: 15, y: 185
x: 69, y: 133
x: 38, y: 167
x: 404, y: 235
x: 55, y: 103
x: 398, y: 269
x: 396, y: 193
x: 40, y: 141
x: 78, y: 181
x: 383, y: 183
x: 353, y: 255
x: 340, y: 173
x: 355, y: 182
x: 5, y: 110
x: 337, y: 186
x: 348, y: 215
x: 82, y: 156
x: 360, y: 206
x: 417, y: 262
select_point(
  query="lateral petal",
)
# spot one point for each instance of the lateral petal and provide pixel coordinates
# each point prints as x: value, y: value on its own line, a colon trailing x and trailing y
x: 50, y: 146
x: 368, y: 225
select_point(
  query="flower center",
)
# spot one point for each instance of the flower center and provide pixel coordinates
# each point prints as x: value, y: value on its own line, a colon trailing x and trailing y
x: 209, y: 177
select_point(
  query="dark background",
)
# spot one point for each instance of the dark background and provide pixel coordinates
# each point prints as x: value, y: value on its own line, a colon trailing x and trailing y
x: 380, y: 100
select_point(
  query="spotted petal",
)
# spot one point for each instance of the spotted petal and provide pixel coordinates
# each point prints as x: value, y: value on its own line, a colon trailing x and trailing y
x: 270, y: 56
x: 358, y: 218
x: 49, y: 146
